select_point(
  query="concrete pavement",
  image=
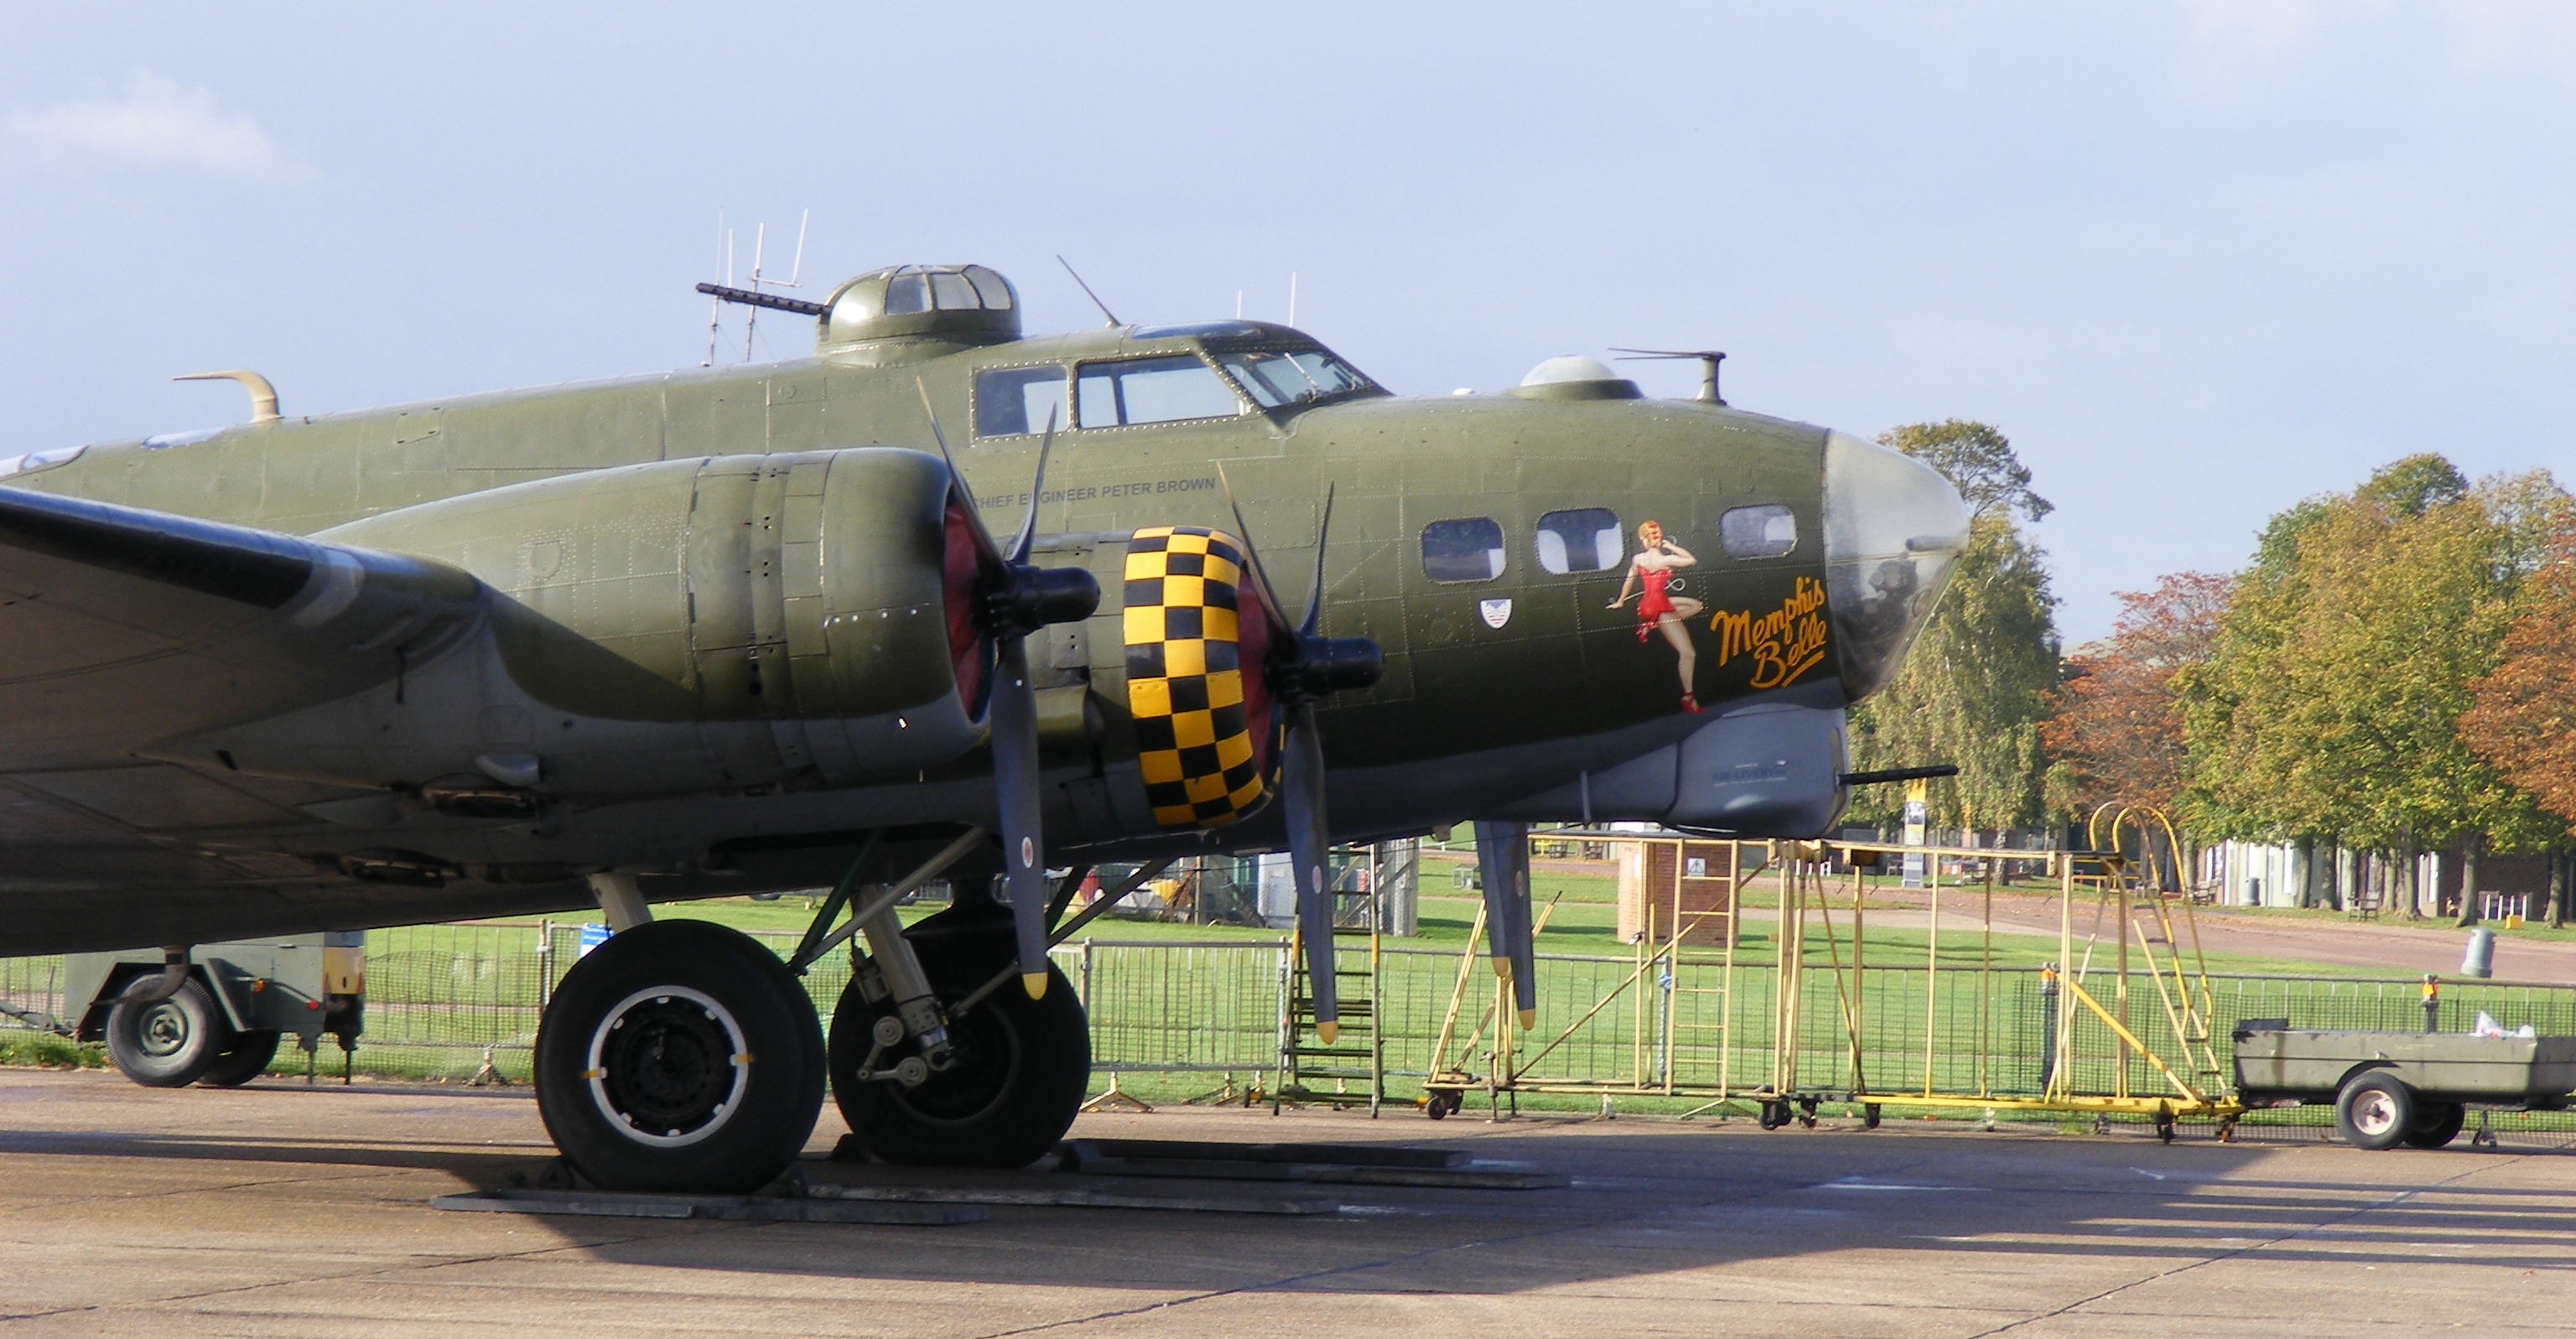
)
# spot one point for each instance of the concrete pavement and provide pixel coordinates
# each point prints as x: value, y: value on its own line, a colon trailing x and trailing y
x: 277, y: 1210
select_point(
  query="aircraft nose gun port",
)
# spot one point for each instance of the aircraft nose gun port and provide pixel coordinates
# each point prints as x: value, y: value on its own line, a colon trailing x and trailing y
x: 1893, y: 530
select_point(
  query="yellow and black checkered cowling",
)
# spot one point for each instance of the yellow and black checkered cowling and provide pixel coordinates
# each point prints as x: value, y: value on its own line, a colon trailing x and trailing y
x: 1194, y: 686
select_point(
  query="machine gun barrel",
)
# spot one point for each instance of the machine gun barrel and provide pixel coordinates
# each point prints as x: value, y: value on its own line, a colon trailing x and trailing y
x: 752, y: 298
x: 1899, y: 774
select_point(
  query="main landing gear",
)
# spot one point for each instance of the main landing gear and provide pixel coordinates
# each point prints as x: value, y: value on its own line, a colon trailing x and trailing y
x: 1015, y: 1068
x: 680, y: 1056
x: 684, y: 1056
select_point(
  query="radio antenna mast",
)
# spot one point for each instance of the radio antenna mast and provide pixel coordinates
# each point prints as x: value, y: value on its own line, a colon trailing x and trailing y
x: 1086, y: 289
x: 760, y: 240
x: 715, y: 309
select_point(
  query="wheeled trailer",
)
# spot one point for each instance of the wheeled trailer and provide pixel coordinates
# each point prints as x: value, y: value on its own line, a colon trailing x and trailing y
x: 2391, y: 1088
x: 222, y: 1023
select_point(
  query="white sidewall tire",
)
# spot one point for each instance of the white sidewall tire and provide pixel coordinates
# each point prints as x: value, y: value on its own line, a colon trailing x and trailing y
x: 762, y: 1012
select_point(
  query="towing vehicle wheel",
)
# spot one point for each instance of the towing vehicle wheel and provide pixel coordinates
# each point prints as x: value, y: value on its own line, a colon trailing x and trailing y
x: 1020, y: 1071
x: 680, y: 1056
x: 2375, y: 1110
x: 2436, y: 1124
x: 246, y: 1059
x: 167, y: 1043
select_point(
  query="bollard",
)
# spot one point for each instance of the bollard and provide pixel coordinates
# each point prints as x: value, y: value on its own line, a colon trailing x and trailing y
x: 2432, y: 1000
x: 2048, y: 1016
x: 2480, y: 960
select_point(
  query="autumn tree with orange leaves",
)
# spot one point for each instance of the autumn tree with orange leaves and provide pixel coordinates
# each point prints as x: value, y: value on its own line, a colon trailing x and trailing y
x: 2523, y: 718
x: 2116, y: 725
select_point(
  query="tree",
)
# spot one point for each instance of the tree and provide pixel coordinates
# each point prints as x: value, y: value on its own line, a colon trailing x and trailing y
x: 2332, y: 703
x: 1978, y: 460
x: 2116, y: 724
x: 2412, y: 485
x: 2522, y: 719
x: 1976, y: 684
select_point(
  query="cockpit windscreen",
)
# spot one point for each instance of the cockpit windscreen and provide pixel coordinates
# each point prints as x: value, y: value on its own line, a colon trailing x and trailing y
x: 1275, y: 379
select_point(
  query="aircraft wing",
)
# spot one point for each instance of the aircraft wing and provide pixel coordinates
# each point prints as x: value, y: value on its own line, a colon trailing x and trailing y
x: 120, y: 626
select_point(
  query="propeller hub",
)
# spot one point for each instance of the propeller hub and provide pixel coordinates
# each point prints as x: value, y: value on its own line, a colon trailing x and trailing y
x: 1030, y: 598
x: 1329, y: 665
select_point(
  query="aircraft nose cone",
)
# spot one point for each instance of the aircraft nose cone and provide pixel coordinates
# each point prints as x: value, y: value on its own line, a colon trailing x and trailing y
x: 1893, y: 529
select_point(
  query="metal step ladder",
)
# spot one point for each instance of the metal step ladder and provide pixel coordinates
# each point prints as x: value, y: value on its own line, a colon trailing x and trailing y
x: 1352, y: 1071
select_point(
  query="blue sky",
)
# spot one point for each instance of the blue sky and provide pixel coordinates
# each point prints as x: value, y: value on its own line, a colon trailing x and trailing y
x: 2198, y: 259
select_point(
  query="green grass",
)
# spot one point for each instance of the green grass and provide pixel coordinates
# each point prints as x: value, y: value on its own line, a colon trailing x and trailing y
x: 39, y: 1050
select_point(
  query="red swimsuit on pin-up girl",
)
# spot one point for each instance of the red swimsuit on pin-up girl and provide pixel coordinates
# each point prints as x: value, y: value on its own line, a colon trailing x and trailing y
x: 1655, y: 604
x: 1650, y: 576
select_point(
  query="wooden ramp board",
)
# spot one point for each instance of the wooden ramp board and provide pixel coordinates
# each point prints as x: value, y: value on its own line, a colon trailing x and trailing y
x: 731, y: 1208
x: 1044, y: 1189
x: 1317, y: 1164
x: 1348, y: 1155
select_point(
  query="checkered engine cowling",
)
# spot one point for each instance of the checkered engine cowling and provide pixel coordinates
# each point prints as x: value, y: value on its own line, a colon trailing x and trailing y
x: 1196, y: 639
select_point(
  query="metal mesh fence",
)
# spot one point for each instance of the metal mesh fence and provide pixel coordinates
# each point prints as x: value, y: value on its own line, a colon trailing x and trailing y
x: 443, y: 1001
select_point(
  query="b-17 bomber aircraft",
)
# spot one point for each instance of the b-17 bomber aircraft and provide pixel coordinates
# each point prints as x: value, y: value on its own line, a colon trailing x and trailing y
x: 939, y: 602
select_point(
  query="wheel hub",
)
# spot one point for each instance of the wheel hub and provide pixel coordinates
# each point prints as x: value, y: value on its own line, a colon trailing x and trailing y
x: 984, y: 1050
x: 668, y: 1066
x: 2373, y: 1113
x: 163, y: 1030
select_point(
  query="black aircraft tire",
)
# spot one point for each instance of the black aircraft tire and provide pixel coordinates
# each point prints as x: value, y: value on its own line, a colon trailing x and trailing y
x: 1022, y: 1068
x: 2436, y: 1124
x: 167, y: 1043
x: 2375, y: 1110
x: 680, y: 1056
x: 246, y: 1059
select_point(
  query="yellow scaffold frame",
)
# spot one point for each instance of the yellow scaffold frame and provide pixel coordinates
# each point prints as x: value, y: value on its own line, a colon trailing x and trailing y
x: 2119, y: 874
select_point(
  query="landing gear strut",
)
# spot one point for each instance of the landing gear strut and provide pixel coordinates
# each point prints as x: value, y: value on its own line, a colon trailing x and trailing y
x: 680, y: 1056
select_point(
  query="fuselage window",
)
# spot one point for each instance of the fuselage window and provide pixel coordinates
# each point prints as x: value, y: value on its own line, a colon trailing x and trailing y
x: 1010, y: 401
x: 1152, y: 390
x: 1468, y: 550
x: 1585, y: 540
x: 1767, y: 531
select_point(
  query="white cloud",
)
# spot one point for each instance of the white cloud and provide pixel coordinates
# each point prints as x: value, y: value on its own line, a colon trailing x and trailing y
x: 157, y: 124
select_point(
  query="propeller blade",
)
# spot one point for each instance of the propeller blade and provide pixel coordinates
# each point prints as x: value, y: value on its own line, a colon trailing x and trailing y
x: 1271, y: 608
x: 1015, y: 787
x: 1314, y: 619
x: 1502, y: 858
x: 1301, y: 783
x: 988, y: 555
x: 1028, y: 532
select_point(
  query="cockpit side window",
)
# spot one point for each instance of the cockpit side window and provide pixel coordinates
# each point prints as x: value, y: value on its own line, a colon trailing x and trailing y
x: 1151, y: 390
x: 1010, y: 401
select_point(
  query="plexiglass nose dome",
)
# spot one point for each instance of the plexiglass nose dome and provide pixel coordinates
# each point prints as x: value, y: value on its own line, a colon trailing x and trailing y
x: 1893, y: 529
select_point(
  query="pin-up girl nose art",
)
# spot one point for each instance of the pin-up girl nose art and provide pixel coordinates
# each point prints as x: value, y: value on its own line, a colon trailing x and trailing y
x: 1658, y: 560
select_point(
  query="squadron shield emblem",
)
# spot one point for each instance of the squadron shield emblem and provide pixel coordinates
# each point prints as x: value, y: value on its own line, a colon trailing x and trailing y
x: 1496, y: 612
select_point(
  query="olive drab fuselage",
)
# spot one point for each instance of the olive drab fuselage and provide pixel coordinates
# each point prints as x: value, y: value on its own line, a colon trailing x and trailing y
x: 717, y: 618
